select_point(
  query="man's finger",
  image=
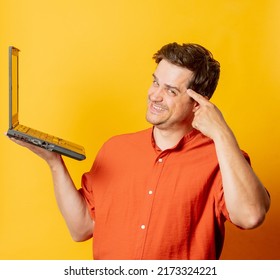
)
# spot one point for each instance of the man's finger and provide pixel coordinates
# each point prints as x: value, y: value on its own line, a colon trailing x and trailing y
x: 21, y: 143
x: 197, y: 97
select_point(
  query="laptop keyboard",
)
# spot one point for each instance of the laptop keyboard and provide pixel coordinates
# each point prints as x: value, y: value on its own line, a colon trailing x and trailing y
x: 48, y: 138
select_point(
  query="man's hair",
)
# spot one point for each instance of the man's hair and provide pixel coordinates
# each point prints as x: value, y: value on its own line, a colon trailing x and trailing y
x: 200, y: 61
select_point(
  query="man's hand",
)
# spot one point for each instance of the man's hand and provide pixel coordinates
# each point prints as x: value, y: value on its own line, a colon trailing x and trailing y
x: 48, y: 156
x: 207, y: 117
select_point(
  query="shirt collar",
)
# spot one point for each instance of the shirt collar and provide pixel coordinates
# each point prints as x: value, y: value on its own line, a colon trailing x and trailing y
x: 185, y: 139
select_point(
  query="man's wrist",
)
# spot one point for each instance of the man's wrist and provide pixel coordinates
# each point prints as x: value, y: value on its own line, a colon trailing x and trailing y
x: 55, y: 163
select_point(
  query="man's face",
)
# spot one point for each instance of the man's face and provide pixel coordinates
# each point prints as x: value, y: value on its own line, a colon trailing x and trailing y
x: 169, y: 105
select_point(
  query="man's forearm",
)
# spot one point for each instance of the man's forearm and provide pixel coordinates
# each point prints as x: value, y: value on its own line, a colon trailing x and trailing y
x: 246, y: 199
x: 70, y: 202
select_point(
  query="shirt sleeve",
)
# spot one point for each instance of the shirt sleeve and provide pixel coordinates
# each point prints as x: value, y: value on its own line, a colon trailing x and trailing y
x: 86, y: 192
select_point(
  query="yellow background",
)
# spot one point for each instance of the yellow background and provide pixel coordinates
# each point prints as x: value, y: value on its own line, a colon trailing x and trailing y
x: 85, y: 67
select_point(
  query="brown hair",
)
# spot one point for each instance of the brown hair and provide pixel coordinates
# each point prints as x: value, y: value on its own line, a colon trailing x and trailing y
x: 196, y: 58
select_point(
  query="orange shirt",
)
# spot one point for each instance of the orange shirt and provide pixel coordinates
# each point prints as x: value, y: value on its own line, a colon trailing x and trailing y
x: 152, y: 204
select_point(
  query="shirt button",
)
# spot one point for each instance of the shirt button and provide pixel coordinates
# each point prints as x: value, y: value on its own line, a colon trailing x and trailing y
x: 150, y: 192
x: 143, y: 227
x: 160, y: 160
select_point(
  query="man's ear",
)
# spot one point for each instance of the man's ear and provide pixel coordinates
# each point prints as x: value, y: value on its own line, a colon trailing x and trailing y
x: 195, y: 105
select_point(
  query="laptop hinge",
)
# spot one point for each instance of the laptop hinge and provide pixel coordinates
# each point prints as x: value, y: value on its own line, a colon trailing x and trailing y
x: 15, y: 124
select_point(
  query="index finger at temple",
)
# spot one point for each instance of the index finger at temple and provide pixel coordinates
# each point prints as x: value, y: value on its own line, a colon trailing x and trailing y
x: 197, y: 97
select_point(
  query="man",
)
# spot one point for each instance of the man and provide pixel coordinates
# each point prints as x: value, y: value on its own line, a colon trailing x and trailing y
x: 165, y: 192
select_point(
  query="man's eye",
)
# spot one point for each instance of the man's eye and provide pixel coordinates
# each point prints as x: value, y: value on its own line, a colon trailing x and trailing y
x: 155, y: 83
x: 172, y: 92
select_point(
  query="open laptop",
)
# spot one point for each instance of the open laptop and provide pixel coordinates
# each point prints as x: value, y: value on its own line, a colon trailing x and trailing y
x: 19, y: 131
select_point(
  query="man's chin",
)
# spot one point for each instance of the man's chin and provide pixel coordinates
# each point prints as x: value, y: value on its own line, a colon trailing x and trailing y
x: 153, y: 121
x: 156, y: 123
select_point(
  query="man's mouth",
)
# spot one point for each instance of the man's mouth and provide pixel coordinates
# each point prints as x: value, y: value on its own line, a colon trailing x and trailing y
x: 157, y: 109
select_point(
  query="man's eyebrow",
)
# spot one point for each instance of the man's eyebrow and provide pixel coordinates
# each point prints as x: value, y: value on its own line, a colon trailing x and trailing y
x: 167, y: 85
x: 155, y: 77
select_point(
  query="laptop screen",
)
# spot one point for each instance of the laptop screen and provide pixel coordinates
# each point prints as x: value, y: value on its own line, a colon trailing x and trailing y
x: 14, y: 85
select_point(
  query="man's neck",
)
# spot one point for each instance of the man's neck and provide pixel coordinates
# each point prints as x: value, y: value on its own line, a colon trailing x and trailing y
x: 166, y: 139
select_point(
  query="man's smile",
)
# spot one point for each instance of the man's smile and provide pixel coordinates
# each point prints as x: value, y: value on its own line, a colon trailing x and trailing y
x: 155, y: 108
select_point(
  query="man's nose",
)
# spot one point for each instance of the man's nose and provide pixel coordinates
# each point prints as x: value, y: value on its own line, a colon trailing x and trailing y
x: 156, y: 94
